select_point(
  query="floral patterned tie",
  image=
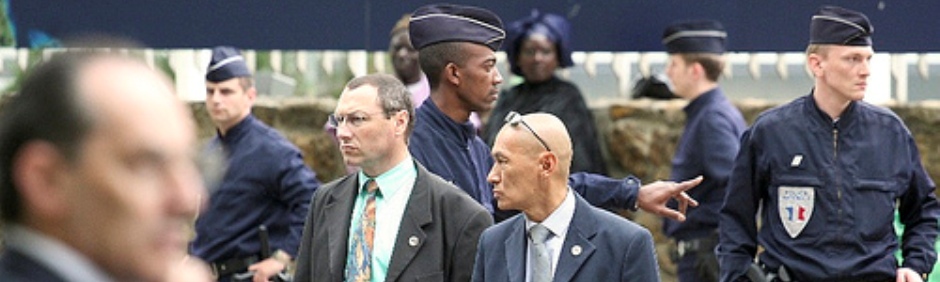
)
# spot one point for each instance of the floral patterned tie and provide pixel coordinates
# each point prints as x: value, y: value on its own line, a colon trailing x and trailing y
x: 359, y: 259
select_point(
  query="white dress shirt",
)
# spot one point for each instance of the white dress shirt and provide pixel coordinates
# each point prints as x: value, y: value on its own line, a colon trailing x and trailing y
x: 557, y: 222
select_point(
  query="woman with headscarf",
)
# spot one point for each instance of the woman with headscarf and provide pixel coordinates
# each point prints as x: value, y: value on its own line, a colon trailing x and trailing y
x: 537, y: 46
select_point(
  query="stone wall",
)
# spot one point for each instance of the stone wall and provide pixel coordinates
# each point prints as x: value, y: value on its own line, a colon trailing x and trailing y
x: 639, y: 138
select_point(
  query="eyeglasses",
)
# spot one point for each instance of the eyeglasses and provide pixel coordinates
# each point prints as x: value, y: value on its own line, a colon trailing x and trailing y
x: 355, y: 119
x: 514, y: 119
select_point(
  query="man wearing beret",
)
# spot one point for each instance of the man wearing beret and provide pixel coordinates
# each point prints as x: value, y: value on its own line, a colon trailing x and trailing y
x: 457, y: 46
x: 829, y: 171
x: 708, y: 144
x: 266, y: 184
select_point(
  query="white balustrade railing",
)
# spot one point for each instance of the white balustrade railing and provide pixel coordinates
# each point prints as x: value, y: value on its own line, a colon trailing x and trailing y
x: 602, y: 76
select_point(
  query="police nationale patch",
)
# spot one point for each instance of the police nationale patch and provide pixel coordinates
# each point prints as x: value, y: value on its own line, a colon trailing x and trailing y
x: 795, y: 206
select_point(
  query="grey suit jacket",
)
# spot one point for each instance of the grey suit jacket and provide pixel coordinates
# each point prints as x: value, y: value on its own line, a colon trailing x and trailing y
x: 599, y: 246
x: 436, y: 241
x: 15, y: 267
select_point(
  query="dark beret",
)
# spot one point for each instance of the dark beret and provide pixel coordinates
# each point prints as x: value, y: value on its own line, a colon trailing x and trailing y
x: 840, y: 26
x: 454, y: 23
x: 227, y: 63
x: 556, y: 28
x: 698, y: 36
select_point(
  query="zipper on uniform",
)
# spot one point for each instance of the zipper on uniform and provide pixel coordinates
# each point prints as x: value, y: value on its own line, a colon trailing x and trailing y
x: 835, y: 143
x: 835, y: 162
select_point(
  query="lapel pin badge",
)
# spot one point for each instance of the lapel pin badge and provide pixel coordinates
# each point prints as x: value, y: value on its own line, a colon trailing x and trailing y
x: 413, y: 241
x: 576, y: 250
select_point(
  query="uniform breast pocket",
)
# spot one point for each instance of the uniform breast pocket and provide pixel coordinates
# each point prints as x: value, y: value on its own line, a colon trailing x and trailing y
x: 874, y: 207
x: 796, y: 209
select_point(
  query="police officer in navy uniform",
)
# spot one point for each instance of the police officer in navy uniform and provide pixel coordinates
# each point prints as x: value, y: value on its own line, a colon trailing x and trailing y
x: 829, y: 171
x: 708, y: 143
x: 267, y: 182
x: 457, y: 46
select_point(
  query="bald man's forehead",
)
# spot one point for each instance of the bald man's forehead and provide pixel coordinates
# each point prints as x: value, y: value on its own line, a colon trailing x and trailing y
x: 515, y: 140
x: 115, y: 88
x: 500, y: 143
x: 112, y: 77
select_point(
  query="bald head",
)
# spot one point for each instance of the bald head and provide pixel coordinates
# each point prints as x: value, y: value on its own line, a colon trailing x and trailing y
x: 533, y: 160
x: 120, y: 87
x: 546, y: 126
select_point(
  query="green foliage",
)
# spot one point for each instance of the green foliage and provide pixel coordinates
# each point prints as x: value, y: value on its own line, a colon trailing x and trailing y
x: 7, y: 34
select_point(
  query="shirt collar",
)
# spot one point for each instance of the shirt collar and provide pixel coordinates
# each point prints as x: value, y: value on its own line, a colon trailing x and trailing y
x: 53, y: 254
x: 843, y: 121
x: 237, y: 131
x: 390, y: 182
x: 560, y: 219
x: 701, y: 101
x: 464, y: 131
x: 422, y: 82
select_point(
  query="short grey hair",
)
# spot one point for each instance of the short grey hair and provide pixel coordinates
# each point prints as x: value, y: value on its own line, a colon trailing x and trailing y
x: 392, y: 95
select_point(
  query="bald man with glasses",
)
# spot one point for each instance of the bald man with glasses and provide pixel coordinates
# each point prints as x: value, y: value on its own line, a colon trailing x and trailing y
x: 558, y: 236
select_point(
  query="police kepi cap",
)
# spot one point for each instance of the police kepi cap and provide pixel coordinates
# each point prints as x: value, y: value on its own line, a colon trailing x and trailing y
x: 695, y: 36
x: 227, y: 63
x: 438, y: 23
x: 840, y: 26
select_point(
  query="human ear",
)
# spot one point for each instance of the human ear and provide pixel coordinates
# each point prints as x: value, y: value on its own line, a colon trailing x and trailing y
x: 252, y: 93
x: 548, y: 163
x: 814, y: 63
x: 401, y: 122
x: 452, y: 73
x: 38, y: 177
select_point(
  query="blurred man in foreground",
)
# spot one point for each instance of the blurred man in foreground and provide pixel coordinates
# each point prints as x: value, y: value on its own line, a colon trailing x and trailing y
x: 99, y: 180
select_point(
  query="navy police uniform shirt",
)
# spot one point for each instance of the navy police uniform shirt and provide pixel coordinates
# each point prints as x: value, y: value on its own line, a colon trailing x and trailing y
x: 709, y: 142
x: 454, y: 152
x: 266, y: 183
x: 829, y: 189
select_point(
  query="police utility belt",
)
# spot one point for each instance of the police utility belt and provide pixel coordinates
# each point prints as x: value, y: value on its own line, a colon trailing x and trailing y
x: 232, y: 266
x: 761, y: 273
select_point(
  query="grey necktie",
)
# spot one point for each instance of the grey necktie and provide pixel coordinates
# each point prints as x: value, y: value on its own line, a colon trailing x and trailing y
x: 541, y: 268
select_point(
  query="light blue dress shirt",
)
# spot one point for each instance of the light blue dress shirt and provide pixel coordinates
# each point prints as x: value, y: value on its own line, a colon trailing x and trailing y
x: 395, y: 186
